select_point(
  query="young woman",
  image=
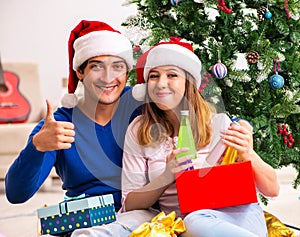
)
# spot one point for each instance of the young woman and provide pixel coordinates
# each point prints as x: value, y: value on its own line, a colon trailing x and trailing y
x: 172, y: 72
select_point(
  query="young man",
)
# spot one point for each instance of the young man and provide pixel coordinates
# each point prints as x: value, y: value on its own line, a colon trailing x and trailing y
x: 84, y: 140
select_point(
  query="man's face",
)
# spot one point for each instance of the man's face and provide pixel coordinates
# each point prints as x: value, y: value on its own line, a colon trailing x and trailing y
x: 104, y: 78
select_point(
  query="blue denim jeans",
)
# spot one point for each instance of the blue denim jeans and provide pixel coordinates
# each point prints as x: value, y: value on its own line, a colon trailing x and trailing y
x: 244, y: 220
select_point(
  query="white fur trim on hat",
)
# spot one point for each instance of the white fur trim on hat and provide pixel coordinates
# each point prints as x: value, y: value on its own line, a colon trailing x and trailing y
x: 139, y: 91
x: 173, y: 54
x: 99, y: 43
x: 69, y: 100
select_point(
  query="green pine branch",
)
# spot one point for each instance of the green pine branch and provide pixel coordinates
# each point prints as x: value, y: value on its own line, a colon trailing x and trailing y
x: 244, y: 93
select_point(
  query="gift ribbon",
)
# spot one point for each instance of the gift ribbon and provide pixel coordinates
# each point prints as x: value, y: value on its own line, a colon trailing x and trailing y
x: 276, y: 70
x: 286, y: 4
x: 67, y: 198
x: 63, y: 206
x: 161, y: 225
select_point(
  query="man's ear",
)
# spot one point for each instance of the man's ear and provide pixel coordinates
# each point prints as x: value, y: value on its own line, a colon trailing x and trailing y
x: 79, y: 74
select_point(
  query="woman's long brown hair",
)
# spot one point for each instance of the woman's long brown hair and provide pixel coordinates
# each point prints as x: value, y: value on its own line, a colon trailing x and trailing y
x: 155, y: 126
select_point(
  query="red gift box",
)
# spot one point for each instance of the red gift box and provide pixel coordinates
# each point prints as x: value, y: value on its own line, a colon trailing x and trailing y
x: 216, y: 187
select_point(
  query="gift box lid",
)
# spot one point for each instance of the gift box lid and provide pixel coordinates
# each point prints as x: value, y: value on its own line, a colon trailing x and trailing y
x: 75, y: 205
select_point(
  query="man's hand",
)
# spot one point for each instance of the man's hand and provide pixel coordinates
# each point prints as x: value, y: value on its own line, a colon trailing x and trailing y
x: 54, y: 135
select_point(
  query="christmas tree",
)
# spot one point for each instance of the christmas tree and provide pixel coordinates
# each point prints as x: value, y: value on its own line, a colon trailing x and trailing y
x: 251, y: 62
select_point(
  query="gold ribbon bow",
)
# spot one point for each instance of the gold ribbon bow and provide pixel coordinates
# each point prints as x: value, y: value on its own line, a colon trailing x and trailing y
x: 161, y: 225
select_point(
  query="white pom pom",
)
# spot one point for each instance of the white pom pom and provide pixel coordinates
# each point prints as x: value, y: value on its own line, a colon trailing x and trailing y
x: 139, y: 91
x: 69, y: 101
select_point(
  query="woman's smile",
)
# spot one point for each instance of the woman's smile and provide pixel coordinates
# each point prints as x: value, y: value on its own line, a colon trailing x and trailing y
x: 163, y: 94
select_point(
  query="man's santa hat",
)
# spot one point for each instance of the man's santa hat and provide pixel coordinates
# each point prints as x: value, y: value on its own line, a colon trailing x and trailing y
x: 90, y: 39
x: 174, y: 52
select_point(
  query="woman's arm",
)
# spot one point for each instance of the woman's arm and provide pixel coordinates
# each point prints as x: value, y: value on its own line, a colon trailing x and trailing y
x: 241, y: 139
x: 265, y: 176
x: 147, y: 196
x: 137, y: 191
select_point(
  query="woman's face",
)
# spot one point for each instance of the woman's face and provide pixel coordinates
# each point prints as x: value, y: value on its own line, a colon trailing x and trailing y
x: 166, y: 86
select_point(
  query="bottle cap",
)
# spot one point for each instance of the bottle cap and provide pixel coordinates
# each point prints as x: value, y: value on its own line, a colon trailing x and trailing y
x: 184, y: 112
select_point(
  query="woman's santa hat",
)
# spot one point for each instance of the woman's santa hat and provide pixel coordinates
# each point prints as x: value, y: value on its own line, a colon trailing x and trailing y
x: 175, y: 52
x: 90, y: 39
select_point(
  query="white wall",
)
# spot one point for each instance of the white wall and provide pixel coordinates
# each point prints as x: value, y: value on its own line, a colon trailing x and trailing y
x: 38, y: 31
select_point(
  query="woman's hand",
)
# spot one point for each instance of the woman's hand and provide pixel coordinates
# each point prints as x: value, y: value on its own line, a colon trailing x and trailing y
x: 146, y: 196
x: 239, y: 136
x: 176, y: 165
x: 241, y: 139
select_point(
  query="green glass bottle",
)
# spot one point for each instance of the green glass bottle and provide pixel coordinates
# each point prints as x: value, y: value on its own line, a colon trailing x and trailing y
x: 185, y: 137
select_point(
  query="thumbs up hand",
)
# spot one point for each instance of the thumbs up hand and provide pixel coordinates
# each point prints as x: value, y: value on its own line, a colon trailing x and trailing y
x: 54, y: 135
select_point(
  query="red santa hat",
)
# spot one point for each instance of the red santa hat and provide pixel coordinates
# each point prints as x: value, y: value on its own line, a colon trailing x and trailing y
x: 175, y: 52
x: 89, y: 39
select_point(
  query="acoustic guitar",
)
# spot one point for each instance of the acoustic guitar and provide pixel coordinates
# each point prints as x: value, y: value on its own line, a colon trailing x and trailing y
x: 14, y: 107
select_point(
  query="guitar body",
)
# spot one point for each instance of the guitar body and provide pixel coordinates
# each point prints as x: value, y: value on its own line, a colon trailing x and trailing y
x: 14, y: 107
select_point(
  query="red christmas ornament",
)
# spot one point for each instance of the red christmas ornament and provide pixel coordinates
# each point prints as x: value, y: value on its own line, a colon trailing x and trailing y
x: 136, y: 48
x: 222, y: 6
x: 287, y: 137
x: 286, y: 4
x: 205, y: 80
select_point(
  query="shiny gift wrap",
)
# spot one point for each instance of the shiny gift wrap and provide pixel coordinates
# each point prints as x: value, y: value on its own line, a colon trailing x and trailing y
x: 230, y: 156
x: 276, y: 228
x: 161, y: 225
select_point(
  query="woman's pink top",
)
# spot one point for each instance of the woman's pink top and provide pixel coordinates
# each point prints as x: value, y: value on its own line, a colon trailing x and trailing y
x: 143, y: 164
